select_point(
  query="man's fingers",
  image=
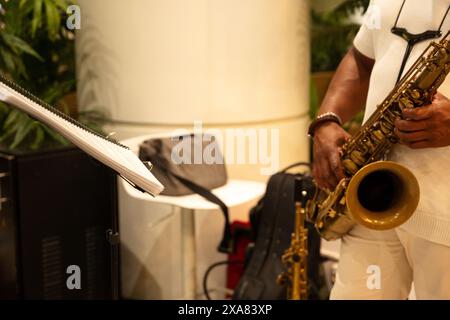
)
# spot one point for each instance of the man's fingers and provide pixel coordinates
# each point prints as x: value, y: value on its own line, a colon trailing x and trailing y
x: 411, y: 125
x: 325, y: 176
x: 315, y: 174
x: 407, y: 137
x: 345, y: 137
x: 421, y: 113
x: 327, y: 169
x: 321, y: 172
x: 331, y: 177
x: 337, y: 170
x: 419, y: 144
x: 439, y: 96
x: 318, y: 171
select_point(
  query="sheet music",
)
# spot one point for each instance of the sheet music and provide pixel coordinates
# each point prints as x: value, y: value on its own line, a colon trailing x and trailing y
x: 118, y: 157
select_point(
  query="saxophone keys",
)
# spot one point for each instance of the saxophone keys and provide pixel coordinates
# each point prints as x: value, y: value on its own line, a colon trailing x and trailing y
x: 282, y: 279
x: 386, y: 127
x: 415, y: 94
x: 357, y: 157
x: 369, y: 145
x: 378, y: 135
x: 404, y: 102
x: 350, y: 166
x: 332, y: 213
x: 393, y: 138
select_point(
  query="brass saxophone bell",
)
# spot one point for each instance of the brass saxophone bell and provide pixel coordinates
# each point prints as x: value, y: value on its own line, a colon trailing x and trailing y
x: 382, y: 195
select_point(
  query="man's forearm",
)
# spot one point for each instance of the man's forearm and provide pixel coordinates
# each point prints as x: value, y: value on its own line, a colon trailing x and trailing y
x: 347, y: 92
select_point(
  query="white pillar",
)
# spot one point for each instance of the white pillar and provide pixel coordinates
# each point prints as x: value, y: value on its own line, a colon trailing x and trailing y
x: 159, y: 65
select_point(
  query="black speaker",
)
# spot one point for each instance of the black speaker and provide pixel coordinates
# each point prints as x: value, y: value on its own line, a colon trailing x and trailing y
x: 58, y: 226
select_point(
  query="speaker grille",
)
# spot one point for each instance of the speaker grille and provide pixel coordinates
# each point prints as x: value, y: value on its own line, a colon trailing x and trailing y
x: 52, y: 268
x: 94, y: 238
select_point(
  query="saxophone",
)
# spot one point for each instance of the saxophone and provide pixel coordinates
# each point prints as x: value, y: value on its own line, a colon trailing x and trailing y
x: 295, y: 258
x: 375, y: 193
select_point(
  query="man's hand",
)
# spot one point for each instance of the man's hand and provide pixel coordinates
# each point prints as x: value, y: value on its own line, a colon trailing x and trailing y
x: 327, y: 169
x: 427, y: 126
x: 346, y: 95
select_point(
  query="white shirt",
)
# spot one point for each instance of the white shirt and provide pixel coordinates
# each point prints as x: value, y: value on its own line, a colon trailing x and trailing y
x: 431, y: 166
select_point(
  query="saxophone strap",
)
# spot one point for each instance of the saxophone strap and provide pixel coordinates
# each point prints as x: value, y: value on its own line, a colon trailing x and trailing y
x: 412, y: 39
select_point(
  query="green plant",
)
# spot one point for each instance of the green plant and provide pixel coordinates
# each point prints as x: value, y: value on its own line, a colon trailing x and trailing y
x: 37, y: 52
x: 332, y: 33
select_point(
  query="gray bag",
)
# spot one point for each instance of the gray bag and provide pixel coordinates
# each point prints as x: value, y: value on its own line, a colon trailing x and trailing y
x: 188, y: 178
x: 159, y: 153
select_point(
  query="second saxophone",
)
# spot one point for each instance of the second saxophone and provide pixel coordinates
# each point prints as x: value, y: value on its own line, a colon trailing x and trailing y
x: 295, y: 258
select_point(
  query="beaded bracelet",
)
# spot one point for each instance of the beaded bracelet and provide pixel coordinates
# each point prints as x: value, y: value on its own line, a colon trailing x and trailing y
x: 325, y: 117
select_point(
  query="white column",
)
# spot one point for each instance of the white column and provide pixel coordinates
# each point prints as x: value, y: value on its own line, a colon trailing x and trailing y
x: 159, y: 65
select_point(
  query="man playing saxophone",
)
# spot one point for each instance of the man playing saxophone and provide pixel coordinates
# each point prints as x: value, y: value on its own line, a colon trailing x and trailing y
x: 393, y: 35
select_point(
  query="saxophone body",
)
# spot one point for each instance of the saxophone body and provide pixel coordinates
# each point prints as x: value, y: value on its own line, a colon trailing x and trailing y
x: 375, y: 193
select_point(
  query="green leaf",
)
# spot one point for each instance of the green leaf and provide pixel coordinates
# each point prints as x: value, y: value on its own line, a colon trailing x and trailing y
x: 37, y: 15
x: 19, y: 46
x: 8, y: 60
x: 22, y: 132
x: 21, y: 69
x: 62, y: 4
x: 55, y: 136
x: 39, y: 137
x: 21, y: 121
x: 13, y: 116
x: 4, y: 108
x: 22, y: 3
x: 6, y: 135
x: 53, y: 19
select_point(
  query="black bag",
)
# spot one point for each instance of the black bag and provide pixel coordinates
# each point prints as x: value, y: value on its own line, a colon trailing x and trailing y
x: 188, y: 178
x: 273, y: 220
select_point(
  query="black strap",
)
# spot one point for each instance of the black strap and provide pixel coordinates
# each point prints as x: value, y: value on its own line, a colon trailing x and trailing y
x: 412, y: 39
x: 226, y: 245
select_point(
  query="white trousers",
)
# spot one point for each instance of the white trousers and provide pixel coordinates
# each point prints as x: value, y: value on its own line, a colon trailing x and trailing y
x: 383, y: 265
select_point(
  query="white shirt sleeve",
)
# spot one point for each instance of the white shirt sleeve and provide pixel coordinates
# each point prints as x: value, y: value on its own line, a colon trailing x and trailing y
x: 363, y: 41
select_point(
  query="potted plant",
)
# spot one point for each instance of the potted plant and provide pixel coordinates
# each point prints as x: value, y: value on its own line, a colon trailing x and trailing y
x: 37, y: 52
